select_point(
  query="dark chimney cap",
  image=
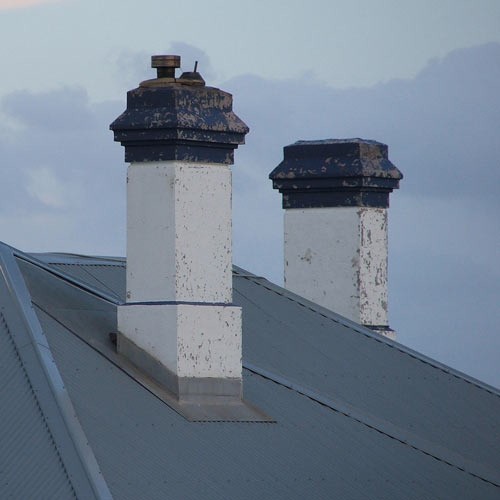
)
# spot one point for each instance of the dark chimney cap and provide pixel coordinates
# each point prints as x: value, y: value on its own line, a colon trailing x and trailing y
x: 170, y: 118
x: 335, y: 172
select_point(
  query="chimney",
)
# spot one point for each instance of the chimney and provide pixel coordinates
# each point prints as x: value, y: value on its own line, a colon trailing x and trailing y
x: 178, y: 324
x: 336, y: 196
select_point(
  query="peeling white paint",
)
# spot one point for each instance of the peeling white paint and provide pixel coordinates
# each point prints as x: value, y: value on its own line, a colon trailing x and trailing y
x: 337, y: 257
x: 373, y: 266
x: 189, y: 340
x: 179, y: 241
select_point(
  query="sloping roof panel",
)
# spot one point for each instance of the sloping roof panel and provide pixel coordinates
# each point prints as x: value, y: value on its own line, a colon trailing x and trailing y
x: 30, y: 464
x: 357, y: 416
x: 376, y: 376
x: 311, y: 452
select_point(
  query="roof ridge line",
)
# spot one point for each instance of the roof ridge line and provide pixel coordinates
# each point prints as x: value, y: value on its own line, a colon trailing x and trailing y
x: 114, y: 299
x: 326, y: 313
x: 78, y: 257
x: 384, y: 427
x: 57, y: 400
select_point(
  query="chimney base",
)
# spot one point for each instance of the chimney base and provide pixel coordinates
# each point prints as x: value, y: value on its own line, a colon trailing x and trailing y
x: 189, y: 340
x: 384, y: 331
x: 203, y: 400
x: 184, y: 354
x: 185, y: 389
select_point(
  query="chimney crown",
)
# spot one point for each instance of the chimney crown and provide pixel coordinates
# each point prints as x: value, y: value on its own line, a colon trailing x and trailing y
x: 335, y: 172
x: 169, y: 118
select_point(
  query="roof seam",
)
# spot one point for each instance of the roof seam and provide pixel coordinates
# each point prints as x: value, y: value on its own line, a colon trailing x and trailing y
x: 81, y: 264
x: 110, y: 290
x: 330, y: 405
x: 370, y: 335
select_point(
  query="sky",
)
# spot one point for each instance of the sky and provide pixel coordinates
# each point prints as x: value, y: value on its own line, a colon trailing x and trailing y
x: 422, y: 77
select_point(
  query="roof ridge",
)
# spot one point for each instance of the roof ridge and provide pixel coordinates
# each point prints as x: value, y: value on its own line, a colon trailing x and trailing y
x: 110, y: 297
x: 332, y: 316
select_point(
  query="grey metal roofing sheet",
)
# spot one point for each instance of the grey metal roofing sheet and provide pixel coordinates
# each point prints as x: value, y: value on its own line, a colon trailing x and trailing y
x: 410, y: 421
x: 377, y: 377
x: 30, y: 464
x: 311, y: 452
x: 419, y: 400
x: 104, y: 276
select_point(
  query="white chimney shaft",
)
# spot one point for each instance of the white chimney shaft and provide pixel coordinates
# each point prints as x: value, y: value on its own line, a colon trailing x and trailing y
x: 179, y: 268
x: 337, y: 257
x: 335, y: 195
x: 179, y: 232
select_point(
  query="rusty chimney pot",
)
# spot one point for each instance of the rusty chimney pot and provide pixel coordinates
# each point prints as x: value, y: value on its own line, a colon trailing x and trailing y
x: 165, y: 65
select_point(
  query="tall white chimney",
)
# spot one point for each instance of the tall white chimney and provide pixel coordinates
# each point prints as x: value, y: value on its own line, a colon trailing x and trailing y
x: 336, y: 196
x: 178, y: 323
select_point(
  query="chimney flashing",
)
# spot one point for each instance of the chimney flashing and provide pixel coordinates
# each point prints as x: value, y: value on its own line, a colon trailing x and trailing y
x: 206, y: 399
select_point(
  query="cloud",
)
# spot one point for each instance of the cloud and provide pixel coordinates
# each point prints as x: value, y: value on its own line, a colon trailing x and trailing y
x: 45, y: 186
x: 60, y: 110
x: 61, y: 167
x: 19, y: 4
x: 439, y: 126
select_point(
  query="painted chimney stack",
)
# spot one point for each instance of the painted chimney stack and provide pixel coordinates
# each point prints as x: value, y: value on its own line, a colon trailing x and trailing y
x: 178, y: 323
x: 336, y: 196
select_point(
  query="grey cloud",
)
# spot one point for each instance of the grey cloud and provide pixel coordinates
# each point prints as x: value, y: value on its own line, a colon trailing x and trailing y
x: 441, y: 126
x: 53, y: 111
x: 59, y: 163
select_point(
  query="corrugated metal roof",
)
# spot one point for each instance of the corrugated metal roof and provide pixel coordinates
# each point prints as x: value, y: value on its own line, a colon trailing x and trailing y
x: 357, y: 416
x: 29, y: 460
x: 311, y: 452
x: 378, y: 377
x: 44, y: 453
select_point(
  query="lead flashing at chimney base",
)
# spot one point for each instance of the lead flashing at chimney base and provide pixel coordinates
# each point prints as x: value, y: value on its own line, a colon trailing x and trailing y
x: 335, y: 196
x: 179, y: 324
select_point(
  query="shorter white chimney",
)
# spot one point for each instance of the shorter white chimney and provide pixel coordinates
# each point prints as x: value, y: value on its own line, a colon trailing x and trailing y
x: 179, y: 324
x: 335, y: 196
